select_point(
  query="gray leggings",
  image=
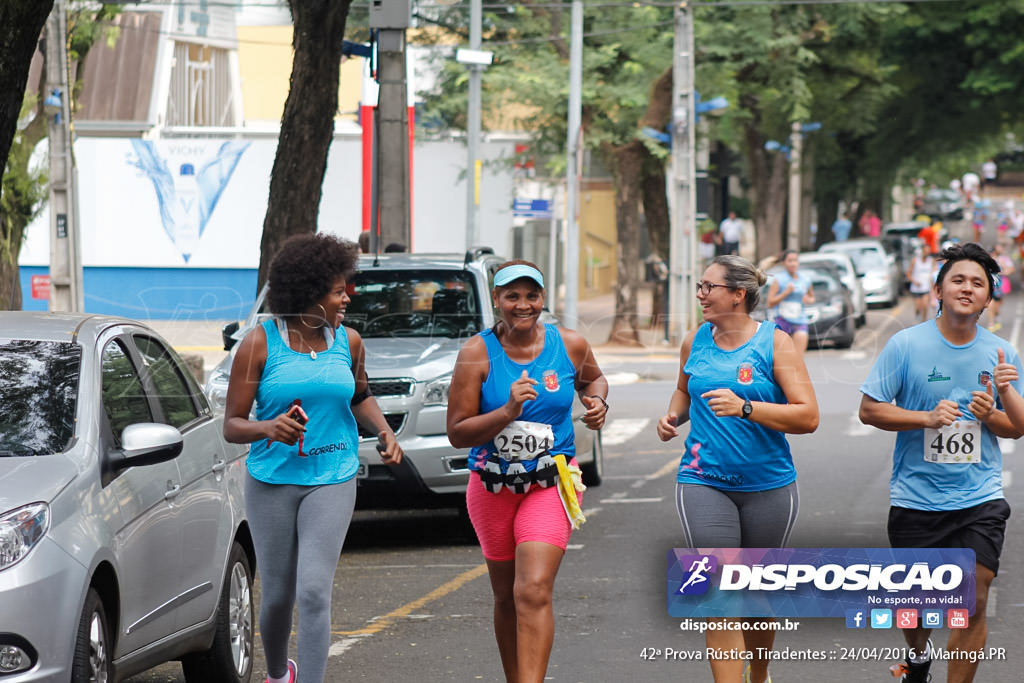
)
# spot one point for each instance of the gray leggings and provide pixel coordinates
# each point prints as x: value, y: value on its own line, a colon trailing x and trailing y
x: 713, y: 518
x: 298, y: 532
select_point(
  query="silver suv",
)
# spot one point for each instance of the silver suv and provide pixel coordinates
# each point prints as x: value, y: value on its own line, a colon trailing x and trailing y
x: 414, y: 312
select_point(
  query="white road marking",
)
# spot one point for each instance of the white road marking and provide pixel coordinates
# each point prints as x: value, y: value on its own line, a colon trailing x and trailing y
x: 1006, y: 446
x: 853, y: 355
x: 339, y: 647
x: 622, y: 430
x: 621, y: 378
x: 990, y: 607
x: 1007, y: 479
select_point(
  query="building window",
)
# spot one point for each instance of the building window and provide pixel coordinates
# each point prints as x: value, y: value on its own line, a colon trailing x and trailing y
x: 200, y: 92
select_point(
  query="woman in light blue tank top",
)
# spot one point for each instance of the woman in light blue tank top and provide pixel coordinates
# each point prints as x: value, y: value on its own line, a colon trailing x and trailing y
x: 304, y: 372
x: 788, y: 295
x: 742, y: 386
x: 511, y: 402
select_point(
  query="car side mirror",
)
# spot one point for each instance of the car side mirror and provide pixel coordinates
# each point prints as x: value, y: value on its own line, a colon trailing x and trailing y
x: 227, y: 335
x: 145, y: 443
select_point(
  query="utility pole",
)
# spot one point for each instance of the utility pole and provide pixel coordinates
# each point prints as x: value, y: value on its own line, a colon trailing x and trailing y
x: 793, y: 225
x: 574, y: 140
x: 391, y: 19
x: 683, y: 191
x: 473, y: 129
x: 65, y: 263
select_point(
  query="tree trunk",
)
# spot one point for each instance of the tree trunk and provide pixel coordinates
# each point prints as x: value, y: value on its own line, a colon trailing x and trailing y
x: 20, y: 25
x: 657, y: 217
x: 10, y: 285
x: 307, y: 125
x: 769, y: 175
x: 629, y: 161
x: 655, y: 196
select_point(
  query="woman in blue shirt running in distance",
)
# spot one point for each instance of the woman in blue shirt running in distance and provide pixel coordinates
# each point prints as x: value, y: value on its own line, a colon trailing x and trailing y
x: 789, y: 293
x: 742, y: 387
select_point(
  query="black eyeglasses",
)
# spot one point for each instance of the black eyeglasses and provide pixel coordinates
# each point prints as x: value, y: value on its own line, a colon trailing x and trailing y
x: 706, y: 287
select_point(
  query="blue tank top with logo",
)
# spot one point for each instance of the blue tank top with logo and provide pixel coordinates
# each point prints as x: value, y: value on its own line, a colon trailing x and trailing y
x: 325, y: 385
x: 556, y: 389
x: 729, y: 452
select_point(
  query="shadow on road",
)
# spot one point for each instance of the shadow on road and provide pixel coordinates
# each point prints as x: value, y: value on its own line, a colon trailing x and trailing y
x: 394, y: 529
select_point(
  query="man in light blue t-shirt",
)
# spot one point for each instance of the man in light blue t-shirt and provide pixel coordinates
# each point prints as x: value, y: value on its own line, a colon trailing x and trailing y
x: 933, y: 385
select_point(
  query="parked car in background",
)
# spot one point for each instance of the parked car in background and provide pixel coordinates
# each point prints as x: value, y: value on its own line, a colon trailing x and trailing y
x: 841, y: 267
x: 943, y: 204
x: 414, y: 312
x: 902, y: 239
x: 880, y: 273
x: 830, y: 318
x: 123, y: 538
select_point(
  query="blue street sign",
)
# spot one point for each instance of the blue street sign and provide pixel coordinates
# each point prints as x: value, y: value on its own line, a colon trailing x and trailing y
x: 531, y: 208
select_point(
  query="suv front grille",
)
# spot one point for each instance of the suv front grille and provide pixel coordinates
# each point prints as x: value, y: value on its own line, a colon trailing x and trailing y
x: 391, y: 387
x: 394, y: 420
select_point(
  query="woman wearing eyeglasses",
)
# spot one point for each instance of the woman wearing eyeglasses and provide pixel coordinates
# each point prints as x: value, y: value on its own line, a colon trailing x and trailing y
x: 742, y: 386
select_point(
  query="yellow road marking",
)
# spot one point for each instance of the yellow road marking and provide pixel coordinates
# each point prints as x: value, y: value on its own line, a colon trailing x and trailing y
x: 405, y: 610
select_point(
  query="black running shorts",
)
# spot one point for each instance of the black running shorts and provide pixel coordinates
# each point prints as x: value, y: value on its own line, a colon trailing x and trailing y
x: 980, y: 528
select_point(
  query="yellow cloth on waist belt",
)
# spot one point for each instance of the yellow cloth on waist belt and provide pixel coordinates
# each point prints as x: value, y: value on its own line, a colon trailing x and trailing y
x: 570, y: 480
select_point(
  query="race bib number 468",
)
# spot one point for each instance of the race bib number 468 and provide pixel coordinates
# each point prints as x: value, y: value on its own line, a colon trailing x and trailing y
x: 955, y: 444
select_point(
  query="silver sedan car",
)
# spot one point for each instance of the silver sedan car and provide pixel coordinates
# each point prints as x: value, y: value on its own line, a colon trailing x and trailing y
x: 123, y: 539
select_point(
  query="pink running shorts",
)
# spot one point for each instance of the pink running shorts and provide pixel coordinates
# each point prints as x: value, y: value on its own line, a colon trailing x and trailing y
x: 504, y: 520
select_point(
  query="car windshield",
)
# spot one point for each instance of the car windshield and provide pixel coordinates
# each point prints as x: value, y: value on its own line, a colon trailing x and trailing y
x: 39, y: 385
x: 414, y: 303
x: 865, y: 258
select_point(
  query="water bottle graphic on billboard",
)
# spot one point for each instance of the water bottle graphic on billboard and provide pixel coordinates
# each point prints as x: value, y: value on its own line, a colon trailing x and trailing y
x: 188, y: 196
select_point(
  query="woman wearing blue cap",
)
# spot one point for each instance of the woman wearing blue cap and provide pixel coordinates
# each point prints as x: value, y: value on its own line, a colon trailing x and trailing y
x: 511, y: 402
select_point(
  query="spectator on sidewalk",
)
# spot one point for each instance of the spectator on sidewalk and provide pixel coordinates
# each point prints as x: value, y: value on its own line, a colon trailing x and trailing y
x: 989, y: 173
x: 841, y: 228
x: 731, y: 229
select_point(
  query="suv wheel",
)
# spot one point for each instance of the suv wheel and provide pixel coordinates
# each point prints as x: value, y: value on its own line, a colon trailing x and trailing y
x: 230, y: 656
x: 92, y: 645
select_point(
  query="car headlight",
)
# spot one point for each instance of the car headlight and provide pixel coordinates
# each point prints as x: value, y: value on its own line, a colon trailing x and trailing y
x: 833, y: 308
x: 217, y: 391
x: 20, y: 530
x: 436, y: 391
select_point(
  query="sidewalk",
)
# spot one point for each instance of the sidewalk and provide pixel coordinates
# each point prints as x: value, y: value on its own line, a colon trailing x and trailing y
x: 596, y: 316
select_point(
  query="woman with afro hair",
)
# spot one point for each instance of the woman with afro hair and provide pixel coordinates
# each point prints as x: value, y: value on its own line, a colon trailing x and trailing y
x: 305, y: 374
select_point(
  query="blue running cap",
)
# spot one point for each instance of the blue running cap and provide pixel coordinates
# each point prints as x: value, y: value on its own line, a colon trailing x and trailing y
x: 508, y: 274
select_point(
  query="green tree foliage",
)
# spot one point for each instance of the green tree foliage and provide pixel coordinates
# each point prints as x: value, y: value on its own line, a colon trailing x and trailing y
x: 626, y: 50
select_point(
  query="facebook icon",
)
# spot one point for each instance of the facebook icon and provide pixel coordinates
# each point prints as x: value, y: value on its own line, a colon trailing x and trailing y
x: 855, y: 618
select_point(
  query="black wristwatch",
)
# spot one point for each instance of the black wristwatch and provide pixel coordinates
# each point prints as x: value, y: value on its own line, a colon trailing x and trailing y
x: 747, y: 410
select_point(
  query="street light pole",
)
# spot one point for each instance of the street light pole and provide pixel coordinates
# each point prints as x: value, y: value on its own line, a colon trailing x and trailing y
x: 683, y: 193
x: 473, y: 130
x: 793, y: 229
x: 574, y: 139
x: 65, y: 263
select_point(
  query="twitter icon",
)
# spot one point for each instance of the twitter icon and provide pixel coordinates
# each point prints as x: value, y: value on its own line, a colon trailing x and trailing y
x: 881, y: 618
